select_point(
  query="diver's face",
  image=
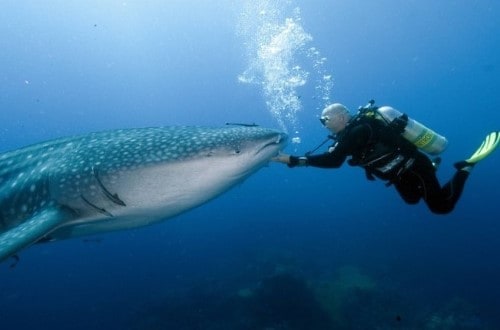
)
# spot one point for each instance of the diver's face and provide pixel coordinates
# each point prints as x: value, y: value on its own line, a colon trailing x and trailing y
x: 335, y: 123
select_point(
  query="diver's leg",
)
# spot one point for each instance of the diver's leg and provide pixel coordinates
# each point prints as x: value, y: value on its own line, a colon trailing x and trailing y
x: 408, y: 186
x: 454, y: 188
x: 439, y: 200
x: 443, y: 200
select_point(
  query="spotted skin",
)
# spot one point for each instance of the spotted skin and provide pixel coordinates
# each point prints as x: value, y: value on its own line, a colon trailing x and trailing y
x: 121, y: 179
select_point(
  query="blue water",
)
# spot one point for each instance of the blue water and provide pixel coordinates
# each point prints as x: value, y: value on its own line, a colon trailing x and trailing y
x: 289, y: 248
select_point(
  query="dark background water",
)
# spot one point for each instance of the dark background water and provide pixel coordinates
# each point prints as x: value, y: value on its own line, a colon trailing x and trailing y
x: 287, y: 249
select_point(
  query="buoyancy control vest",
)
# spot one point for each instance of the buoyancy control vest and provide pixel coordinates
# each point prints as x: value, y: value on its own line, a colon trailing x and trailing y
x: 393, y: 141
x: 384, y: 154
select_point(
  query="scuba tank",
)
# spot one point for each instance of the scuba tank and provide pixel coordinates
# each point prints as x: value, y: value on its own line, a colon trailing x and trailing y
x: 421, y: 136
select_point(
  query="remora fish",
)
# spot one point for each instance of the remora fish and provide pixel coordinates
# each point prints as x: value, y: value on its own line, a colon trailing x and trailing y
x: 121, y: 179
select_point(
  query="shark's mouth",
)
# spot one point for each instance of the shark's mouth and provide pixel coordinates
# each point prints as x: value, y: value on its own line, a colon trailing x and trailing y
x: 279, y: 142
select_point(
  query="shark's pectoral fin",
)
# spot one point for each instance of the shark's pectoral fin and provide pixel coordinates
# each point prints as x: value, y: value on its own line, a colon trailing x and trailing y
x: 30, y: 231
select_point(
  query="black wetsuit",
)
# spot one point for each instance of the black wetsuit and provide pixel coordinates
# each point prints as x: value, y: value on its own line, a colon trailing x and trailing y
x: 384, y: 153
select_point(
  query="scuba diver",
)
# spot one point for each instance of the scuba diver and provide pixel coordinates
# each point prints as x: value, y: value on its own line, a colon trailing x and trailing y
x: 390, y: 146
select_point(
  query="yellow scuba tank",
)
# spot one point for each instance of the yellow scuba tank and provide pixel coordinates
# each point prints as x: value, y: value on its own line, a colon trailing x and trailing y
x: 422, y: 137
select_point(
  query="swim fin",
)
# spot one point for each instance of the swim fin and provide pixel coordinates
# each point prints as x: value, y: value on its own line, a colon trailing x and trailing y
x: 490, y: 143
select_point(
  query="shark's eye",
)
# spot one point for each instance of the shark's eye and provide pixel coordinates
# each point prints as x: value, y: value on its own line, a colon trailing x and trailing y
x: 237, y: 151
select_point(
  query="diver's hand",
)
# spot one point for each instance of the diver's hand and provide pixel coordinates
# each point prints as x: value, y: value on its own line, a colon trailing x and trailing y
x: 282, y: 158
x: 289, y: 160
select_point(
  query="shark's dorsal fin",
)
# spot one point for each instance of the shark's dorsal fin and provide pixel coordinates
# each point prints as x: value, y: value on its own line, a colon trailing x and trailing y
x: 29, y: 231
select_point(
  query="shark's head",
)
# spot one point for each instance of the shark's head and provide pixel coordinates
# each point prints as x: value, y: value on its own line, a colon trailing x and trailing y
x: 175, y: 168
x: 245, y: 149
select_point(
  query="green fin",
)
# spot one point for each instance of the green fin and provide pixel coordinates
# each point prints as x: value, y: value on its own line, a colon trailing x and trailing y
x: 487, y: 147
x: 29, y: 232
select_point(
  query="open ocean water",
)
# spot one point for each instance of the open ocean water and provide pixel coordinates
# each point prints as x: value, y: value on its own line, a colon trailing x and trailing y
x: 294, y: 249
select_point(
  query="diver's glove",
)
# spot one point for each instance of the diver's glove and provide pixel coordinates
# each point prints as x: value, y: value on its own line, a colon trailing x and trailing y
x: 398, y: 125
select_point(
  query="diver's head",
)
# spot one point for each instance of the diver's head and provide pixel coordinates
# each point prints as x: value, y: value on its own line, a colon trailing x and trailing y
x: 335, y: 117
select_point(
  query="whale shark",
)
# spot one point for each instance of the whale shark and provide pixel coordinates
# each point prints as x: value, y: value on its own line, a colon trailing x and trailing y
x: 120, y: 179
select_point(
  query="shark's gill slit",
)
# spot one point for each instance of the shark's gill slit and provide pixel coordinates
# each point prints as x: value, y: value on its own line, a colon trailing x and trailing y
x: 97, y: 208
x: 113, y: 197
